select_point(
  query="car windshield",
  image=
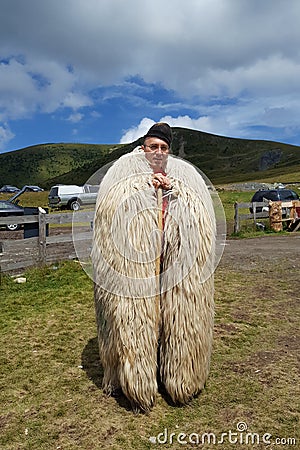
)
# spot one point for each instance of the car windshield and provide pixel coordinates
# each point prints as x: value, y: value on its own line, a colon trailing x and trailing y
x: 270, y: 195
x: 6, y: 205
x: 288, y: 195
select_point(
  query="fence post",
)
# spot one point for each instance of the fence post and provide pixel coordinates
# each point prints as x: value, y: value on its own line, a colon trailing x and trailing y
x: 236, y: 218
x: 42, y: 236
x: 254, y: 212
x: 275, y: 213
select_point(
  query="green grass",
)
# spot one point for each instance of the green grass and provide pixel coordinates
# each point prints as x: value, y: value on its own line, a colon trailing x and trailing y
x: 51, y: 395
x: 30, y: 198
x: 38, y: 164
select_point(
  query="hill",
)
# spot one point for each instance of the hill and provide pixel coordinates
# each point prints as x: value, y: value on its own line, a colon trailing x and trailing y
x: 222, y: 159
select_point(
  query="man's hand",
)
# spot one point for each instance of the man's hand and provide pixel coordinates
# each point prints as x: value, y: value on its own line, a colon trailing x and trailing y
x: 161, y: 181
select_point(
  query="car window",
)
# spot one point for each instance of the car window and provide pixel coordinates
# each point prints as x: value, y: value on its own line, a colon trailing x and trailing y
x: 53, y: 192
x: 6, y: 205
x: 272, y: 195
x: 288, y: 195
x: 265, y: 195
x: 257, y: 197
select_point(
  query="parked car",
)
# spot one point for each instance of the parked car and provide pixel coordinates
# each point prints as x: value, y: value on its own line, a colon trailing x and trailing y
x: 34, y: 188
x: 8, y: 208
x: 275, y: 195
x: 72, y: 196
x: 9, y: 189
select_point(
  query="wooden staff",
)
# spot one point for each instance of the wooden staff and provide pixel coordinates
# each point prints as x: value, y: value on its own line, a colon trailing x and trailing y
x: 158, y: 259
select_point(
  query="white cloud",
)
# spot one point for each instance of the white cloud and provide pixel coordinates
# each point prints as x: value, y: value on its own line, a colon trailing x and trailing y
x: 187, y: 44
x: 29, y: 86
x: 207, y: 124
x: 5, y: 135
x: 136, y: 132
x: 238, y: 120
x: 202, y: 49
x: 76, y: 100
x: 75, y: 118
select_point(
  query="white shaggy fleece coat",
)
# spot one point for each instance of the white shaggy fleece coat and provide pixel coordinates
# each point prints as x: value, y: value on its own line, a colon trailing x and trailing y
x: 153, y: 325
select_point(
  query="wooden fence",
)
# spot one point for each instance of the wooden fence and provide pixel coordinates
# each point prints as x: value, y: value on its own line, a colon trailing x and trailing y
x: 292, y: 216
x: 47, y: 246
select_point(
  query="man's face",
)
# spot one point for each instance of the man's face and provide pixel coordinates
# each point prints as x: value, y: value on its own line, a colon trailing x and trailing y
x: 156, y: 151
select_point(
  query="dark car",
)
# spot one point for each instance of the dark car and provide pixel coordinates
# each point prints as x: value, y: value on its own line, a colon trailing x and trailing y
x: 9, y: 189
x: 34, y: 188
x: 275, y: 195
x: 7, y: 209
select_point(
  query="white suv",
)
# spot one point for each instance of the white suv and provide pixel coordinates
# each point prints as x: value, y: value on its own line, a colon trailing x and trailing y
x: 72, y: 196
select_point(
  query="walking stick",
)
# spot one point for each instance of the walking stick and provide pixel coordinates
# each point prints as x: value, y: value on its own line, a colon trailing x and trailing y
x: 158, y: 259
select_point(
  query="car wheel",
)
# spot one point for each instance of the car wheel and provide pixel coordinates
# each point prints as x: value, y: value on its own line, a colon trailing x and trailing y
x: 75, y: 205
x: 12, y: 227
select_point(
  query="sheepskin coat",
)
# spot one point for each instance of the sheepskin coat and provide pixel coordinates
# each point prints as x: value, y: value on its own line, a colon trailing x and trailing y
x: 153, y: 325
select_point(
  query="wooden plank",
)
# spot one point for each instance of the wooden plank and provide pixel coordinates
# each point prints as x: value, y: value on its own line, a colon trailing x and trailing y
x: 59, y: 239
x: 19, y: 219
x: 69, y: 237
x: 297, y: 227
x: 236, y: 218
x: 42, y: 236
x: 59, y: 218
x: 84, y: 216
x: 250, y: 205
x: 20, y: 253
x: 19, y: 245
x: 261, y: 215
x: 63, y: 218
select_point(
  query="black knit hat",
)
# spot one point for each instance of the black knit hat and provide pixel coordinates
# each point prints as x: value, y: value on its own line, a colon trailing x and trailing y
x: 162, y: 131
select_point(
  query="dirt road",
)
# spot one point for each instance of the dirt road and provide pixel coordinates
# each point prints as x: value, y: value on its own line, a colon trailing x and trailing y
x: 274, y: 249
x: 237, y: 252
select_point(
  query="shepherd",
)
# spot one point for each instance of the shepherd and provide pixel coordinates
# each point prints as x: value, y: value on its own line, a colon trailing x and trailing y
x: 153, y: 261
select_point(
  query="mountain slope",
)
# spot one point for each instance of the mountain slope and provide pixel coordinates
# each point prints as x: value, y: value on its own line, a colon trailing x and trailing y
x: 222, y: 159
x: 39, y: 163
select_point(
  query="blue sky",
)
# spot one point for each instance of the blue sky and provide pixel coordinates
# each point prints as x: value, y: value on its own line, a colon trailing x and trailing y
x: 103, y: 71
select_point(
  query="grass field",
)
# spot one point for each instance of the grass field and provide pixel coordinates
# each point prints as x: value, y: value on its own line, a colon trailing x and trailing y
x: 51, y: 395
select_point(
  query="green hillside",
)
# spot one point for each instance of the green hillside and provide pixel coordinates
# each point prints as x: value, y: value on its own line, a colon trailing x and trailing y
x: 222, y: 159
x: 40, y: 163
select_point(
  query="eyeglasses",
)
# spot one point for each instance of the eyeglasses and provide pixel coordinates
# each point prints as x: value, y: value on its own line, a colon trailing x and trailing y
x: 156, y: 147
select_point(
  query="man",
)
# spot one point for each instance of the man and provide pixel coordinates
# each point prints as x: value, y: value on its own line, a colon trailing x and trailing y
x: 153, y: 259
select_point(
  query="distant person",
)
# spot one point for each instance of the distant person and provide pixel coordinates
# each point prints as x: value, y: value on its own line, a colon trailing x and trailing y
x: 153, y: 259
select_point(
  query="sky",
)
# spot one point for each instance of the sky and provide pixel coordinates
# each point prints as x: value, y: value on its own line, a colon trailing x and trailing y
x: 103, y: 71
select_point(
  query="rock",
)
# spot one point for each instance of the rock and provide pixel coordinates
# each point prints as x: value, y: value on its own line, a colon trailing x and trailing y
x: 20, y: 280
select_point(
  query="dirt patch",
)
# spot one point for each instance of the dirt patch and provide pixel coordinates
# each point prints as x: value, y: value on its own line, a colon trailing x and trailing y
x: 254, y: 253
x: 257, y: 362
x: 248, y: 252
x: 289, y: 343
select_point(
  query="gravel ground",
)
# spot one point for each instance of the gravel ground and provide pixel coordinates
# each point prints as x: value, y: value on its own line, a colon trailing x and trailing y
x: 276, y: 249
x: 245, y: 253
